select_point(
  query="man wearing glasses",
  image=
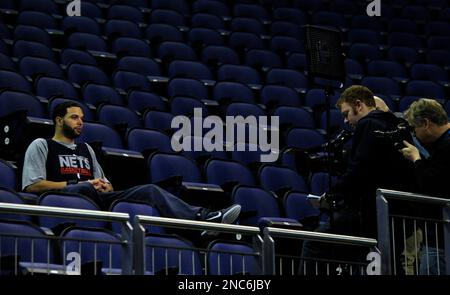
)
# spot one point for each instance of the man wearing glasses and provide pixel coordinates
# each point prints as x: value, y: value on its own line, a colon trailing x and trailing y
x: 432, y: 128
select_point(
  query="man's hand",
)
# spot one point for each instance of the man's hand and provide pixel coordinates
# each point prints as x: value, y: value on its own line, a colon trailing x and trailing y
x: 101, y: 185
x: 319, y: 203
x: 410, y: 152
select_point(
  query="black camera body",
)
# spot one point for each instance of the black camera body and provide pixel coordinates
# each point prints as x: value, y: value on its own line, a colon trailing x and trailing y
x: 396, y: 136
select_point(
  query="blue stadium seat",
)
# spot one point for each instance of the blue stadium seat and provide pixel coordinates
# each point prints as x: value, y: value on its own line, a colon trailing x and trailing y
x: 69, y: 56
x: 275, y: 178
x: 6, y: 63
x: 32, y: 33
x: 241, y: 41
x: 213, y: 7
x: 384, y: 68
x: 298, y: 207
x: 366, y: 22
x: 127, y: 81
x: 364, y: 36
x: 429, y: 72
x: 286, y: 77
x: 273, y: 96
x: 285, y: 45
x: 81, y: 24
x: 259, y: 205
x: 158, y: 120
x: 8, y: 195
x: 169, y: 51
x: 146, y: 141
x: 106, y: 249
x: 163, y: 166
x: 205, y: 20
x: 438, y: 57
x: 247, y: 24
x: 139, y: 64
x: 97, y: 132
x: 91, y: 10
x: 262, y: 59
x: 330, y: 19
x: 282, y: 28
x: 8, y: 178
x: 23, y: 48
x: 125, y: 46
x: 87, y: 41
x: 290, y: 14
x: 38, y: 19
x: 125, y: 12
x: 406, y: 101
x: 164, y: 254
x: 118, y: 117
x: 158, y: 33
x: 251, y: 10
x: 166, y: 16
x: 34, y: 67
x: 304, y: 138
x: 215, y: 56
x: 140, y: 101
x: 97, y: 94
x: 14, y: 81
x: 67, y: 200
x: 227, y: 92
x: 184, y: 106
x: 364, y: 52
x: 425, y: 88
x: 231, y: 258
x: 402, y: 25
x: 404, y: 39
x: 201, y: 37
x: 382, y: 85
x: 294, y: 117
x: 296, y: 61
x: 238, y: 73
x: 403, y: 55
x: 438, y: 42
x: 11, y: 101
x: 116, y: 28
x: 187, y: 87
x: 49, y: 87
x: 416, y: 12
x: 46, y: 6
x: 189, y: 69
x: 227, y: 173
x: 80, y: 74
x: 178, y: 5
x: 133, y: 208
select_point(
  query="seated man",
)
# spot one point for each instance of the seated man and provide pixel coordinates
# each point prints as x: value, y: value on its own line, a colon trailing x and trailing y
x: 61, y: 164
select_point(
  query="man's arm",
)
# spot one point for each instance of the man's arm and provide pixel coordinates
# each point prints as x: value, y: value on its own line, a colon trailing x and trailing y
x: 45, y: 185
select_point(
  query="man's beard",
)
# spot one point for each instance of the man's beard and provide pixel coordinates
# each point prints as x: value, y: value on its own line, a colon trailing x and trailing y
x: 69, y: 132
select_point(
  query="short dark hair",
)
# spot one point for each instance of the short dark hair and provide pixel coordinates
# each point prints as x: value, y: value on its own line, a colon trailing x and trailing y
x: 61, y: 109
x: 354, y: 93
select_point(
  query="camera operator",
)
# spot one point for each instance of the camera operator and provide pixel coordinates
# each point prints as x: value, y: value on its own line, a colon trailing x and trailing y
x: 432, y: 128
x: 374, y: 163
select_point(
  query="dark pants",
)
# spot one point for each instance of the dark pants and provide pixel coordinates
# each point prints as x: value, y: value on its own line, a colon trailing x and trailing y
x: 316, y: 255
x: 167, y: 204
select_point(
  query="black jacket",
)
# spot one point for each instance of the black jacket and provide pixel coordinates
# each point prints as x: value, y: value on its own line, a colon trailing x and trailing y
x: 432, y: 174
x: 374, y: 163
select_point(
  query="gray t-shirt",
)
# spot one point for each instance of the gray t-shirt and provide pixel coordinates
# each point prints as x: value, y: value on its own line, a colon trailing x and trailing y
x: 34, y: 167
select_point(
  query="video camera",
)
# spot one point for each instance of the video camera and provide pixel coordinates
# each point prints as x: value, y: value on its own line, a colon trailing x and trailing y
x: 328, y: 155
x: 396, y: 136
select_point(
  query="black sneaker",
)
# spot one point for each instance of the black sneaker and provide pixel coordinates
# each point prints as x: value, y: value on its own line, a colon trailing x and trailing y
x: 227, y: 215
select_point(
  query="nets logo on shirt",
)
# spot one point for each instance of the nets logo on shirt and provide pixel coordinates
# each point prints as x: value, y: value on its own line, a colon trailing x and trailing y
x: 72, y: 164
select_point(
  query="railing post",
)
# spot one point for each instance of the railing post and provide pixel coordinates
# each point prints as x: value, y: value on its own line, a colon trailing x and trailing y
x: 446, y: 218
x: 258, y: 246
x: 127, y: 248
x: 139, y: 247
x: 268, y: 253
x: 384, y: 233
